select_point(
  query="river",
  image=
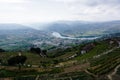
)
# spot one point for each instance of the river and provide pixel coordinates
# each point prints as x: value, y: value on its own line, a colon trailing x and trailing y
x: 58, y: 35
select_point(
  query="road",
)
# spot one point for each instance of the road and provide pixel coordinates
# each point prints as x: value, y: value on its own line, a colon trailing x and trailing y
x: 113, y: 73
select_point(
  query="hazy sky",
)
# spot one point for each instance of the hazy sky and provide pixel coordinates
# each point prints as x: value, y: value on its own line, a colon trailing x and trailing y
x: 22, y: 11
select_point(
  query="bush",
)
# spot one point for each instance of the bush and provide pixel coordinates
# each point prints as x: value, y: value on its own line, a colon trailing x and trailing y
x: 6, y: 73
x: 25, y: 78
x: 56, y: 70
x: 1, y: 50
x: 17, y: 60
x: 35, y: 50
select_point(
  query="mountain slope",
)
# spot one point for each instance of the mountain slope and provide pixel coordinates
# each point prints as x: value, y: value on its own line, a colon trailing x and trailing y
x: 81, y: 28
x: 12, y: 26
x: 78, y: 28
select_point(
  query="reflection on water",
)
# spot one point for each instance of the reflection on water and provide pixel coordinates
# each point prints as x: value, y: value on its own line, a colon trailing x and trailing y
x: 58, y: 35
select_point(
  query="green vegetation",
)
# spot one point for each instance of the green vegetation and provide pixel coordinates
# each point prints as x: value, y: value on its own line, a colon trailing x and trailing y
x: 118, y: 71
x: 25, y: 78
x: 99, y: 48
x: 105, y: 63
x: 75, y: 76
x: 61, y: 64
x: 15, y: 73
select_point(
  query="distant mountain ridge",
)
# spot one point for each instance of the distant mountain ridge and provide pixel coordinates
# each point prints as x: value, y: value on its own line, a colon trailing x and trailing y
x: 12, y: 26
x: 81, y: 28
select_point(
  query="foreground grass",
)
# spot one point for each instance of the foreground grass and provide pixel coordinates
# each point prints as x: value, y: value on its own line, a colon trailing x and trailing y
x: 32, y: 58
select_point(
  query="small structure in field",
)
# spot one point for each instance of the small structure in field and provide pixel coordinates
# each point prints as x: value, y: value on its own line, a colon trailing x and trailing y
x: 83, y: 52
x: 118, y: 43
x: 111, y: 42
x: 20, y: 54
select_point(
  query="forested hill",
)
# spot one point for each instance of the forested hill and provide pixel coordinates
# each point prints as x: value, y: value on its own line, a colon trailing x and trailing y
x: 80, y: 28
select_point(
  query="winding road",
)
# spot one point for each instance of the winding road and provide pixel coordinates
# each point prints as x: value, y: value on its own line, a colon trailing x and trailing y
x: 113, y: 73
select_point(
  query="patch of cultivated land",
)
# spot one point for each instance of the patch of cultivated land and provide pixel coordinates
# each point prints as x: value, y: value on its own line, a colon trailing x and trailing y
x: 95, y: 64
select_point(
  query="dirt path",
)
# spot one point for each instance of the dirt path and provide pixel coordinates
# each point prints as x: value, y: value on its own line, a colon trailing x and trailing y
x: 80, y: 67
x: 6, y: 78
x: 37, y: 78
x: 113, y: 73
x: 90, y: 73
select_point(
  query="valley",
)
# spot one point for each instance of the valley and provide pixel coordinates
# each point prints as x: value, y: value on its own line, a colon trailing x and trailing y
x: 55, y: 34
x: 62, y: 53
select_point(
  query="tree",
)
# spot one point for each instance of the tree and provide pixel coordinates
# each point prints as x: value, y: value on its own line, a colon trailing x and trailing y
x: 44, y: 52
x: 0, y: 61
x: 38, y: 50
x: 1, y: 50
x: 17, y: 60
x: 35, y: 50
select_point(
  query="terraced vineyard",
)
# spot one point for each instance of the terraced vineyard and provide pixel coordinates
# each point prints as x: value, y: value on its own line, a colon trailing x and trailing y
x: 100, y: 47
x: 105, y: 63
x: 101, y: 60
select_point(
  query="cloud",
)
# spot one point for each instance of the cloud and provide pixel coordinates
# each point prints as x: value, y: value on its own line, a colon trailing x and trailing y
x: 95, y: 10
x: 12, y: 1
x: 90, y: 2
x: 52, y: 10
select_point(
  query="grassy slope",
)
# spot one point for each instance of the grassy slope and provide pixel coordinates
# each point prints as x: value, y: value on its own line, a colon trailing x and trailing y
x: 106, y: 63
x: 31, y: 57
x: 101, y: 47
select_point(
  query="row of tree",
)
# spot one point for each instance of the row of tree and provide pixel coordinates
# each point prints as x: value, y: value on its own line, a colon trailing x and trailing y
x: 38, y: 51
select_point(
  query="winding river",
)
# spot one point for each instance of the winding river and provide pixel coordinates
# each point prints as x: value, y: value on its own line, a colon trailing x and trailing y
x: 58, y: 35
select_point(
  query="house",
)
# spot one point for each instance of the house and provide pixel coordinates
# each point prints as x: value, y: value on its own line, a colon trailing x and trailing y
x: 20, y: 54
x: 83, y: 52
x: 111, y: 42
x: 118, y: 43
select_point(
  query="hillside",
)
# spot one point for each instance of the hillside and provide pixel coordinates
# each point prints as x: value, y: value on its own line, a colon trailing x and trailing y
x: 12, y: 26
x: 19, y: 37
x: 99, y: 61
x: 80, y: 28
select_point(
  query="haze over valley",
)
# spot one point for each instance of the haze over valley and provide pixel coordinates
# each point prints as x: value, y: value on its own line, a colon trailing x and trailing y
x: 22, y: 36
